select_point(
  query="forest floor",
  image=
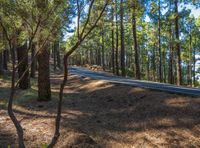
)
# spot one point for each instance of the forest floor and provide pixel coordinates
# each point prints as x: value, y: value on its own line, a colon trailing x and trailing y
x: 113, y: 115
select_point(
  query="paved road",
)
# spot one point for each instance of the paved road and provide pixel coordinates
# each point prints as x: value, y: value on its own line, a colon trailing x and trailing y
x: 139, y: 83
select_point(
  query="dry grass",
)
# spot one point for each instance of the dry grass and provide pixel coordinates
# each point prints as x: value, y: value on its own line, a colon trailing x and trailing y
x: 114, y: 116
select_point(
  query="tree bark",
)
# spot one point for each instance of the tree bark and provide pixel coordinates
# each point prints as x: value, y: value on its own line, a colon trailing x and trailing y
x: 113, y: 46
x: 22, y: 56
x: 5, y: 59
x: 34, y: 61
x: 117, y: 40
x: 54, y: 50
x: 159, y: 43
x: 123, y: 70
x: 137, y: 65
x: 58, y: 56
x: 190, y: 63
x: 44, y: 89
x: 103, y: 51
x: 178, y: 50
x: 99, y: 56
x: 154, y: 63
x: 194, y: 63
x: 171, y: 52
x: 171, y: 63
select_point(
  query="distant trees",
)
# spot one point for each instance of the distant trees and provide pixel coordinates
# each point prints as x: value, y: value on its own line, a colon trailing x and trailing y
x: 154, y: 44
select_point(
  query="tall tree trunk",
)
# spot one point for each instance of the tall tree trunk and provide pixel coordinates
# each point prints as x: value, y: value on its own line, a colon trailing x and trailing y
x: 194, y: 63
x: 22, y: 56
x: 34, y: 61
x: 159, y: 43
x: 54, y: 55
x: 171, y: 52
x: 171, y: 57
x: 190, y: 63
x: 137, y: 65
x: 147, y: 65
x: 91, y: 57
x: 178, y: 50
x: 154, y: 63
x: 171, y: 63
x: 8, y: 55
x: 122, y: 38
x: 58, y: 56
x: 113, y: 46
x: 44, y: 89
x: 164, y: 74
x: 117, y: 39
x: 98, y: 52
x: 103, y: 52
x: 17, y: 124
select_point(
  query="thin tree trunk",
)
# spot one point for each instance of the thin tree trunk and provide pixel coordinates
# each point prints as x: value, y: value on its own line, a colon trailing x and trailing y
x: 148, y: 62
x: 58, y: 56
x: 164, y: 74
x: 171, y: 56
x: 117, y: 39
x: 34, y: 61
x: 194, y: 63
x: 154, y: 63
x: 190, y: 63
x: 113, y: 46
x: 178, y: 50
x: 103, y: 52
x: 159, y: 43
x: 137, y: 65
x: 54, y: 55
x: 99, y: 56
x: 5, y: 59
x: 8, y: 55
x: 122, y: 38
x: 66, y: 56
x: 171, y: 63
x: 20, y: 132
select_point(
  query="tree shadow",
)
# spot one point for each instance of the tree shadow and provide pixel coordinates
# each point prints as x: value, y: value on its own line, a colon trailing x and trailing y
x: 7, y: 139
x: 110, y: 113
x: 115, y: 114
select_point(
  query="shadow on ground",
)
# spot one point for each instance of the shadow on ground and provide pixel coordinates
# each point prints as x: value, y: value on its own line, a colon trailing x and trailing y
x: 118, y: 115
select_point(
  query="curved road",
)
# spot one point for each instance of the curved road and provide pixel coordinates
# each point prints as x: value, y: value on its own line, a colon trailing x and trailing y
x: 138, y: 83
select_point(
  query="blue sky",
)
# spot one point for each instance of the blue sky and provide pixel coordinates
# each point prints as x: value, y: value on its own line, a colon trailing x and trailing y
x: 196, y: 12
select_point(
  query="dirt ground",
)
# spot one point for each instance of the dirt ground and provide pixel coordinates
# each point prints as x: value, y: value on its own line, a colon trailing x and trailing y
x: 100, y: 114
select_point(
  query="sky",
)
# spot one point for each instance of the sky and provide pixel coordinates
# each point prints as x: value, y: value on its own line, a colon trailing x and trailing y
x: 196, y: 12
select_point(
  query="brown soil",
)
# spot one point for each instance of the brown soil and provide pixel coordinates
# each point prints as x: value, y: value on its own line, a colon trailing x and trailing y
x: 100, y: 114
